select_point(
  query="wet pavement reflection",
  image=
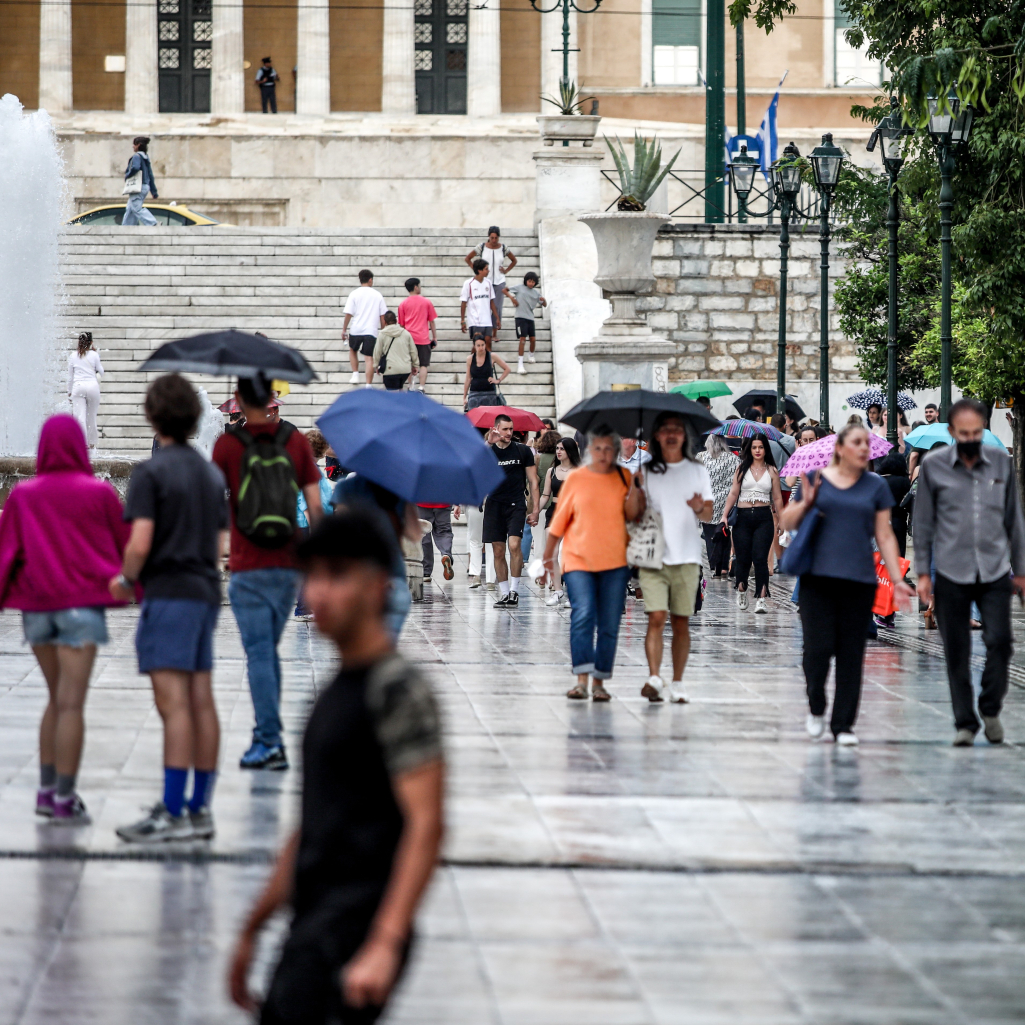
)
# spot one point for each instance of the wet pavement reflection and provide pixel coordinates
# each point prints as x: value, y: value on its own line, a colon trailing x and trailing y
x: 620, y: 863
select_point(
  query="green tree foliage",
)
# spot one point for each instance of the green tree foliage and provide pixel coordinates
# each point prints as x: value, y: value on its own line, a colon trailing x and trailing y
x: 976, y: 49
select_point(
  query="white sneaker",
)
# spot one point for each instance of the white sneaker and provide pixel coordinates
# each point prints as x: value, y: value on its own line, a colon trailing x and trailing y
x: 654, y: 689
x: 677, y: 694
x: 564, y: 602
x: 742, y: 601
x: 847, y: 740
x: 815, y: 725
x: 555, y: 599
x: 475, y: 581
x: 355, y: 377
x: 760, y: 606
x: 520, y: 369
x: 530, y: 358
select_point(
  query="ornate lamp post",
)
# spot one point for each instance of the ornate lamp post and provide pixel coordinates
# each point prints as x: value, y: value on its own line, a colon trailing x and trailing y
x: 826, y: 161
x: 950, y: 124
x: 890, y: 133
x: 567, y: 6
x: 742, y: 175
x: 786, y: 184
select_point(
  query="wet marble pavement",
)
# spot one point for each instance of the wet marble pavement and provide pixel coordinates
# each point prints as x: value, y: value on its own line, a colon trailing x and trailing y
x: 626, y: 863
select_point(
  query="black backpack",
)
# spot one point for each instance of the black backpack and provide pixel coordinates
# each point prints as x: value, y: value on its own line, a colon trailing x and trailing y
x: 266, y: 504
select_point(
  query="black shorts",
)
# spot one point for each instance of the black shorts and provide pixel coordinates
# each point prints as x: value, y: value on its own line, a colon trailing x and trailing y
x: 394, y: 382
x: 485, y: 331
x: 363, y: 343
x: 524, y: 328
x: 423, y: 353
x: 503, y: 520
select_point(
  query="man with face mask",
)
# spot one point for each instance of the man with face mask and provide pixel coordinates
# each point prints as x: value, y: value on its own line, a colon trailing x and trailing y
x: 969, y: 524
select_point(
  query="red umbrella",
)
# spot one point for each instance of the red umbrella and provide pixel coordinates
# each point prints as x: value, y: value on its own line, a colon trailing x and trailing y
x: 523, y: 420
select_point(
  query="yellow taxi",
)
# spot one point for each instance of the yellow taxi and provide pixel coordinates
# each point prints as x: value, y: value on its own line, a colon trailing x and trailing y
x: 167, y: 214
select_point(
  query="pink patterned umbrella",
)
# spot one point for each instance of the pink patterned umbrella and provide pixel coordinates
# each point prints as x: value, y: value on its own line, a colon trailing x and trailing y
x: 820, y: 453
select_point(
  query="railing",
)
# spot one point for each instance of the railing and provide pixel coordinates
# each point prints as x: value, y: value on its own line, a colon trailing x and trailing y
x: 760, y: 203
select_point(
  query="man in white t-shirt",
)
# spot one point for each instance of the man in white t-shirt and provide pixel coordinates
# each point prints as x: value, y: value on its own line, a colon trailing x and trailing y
x: 495, y: 254
x: 477, y: 303
x: 680, y: 491
x: 364, y: 317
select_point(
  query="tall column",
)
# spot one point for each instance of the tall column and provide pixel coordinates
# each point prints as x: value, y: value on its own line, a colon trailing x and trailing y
x: 484, y: 61
x: 398, y: 79
x: 551, y: 54
x: 141, y: 91
x: 227, y: 81
x: 313, y: 83
x: 55, y: 56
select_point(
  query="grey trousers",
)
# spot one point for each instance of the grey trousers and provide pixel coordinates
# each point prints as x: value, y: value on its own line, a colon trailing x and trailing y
x: 441, y: 530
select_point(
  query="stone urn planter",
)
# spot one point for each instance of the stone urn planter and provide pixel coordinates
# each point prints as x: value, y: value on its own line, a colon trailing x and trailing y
x: 625, y: 351
x: 568, y: 128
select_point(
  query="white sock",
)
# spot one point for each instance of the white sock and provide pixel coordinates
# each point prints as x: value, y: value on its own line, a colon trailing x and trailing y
x: 503, y: 586
x: 516, y: 583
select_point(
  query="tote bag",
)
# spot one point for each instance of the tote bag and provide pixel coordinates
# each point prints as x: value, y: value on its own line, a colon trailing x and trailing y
x: 646, y: 547
x: 800, y: 553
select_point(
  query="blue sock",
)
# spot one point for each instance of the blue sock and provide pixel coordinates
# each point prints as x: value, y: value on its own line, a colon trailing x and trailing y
x: 201, y: 784
x: 174, y: 789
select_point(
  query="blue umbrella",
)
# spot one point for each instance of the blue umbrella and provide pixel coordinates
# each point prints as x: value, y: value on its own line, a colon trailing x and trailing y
x: 412, y: 446
x: 929, y: 434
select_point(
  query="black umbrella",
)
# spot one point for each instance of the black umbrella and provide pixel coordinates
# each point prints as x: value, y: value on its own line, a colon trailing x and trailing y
x: 232, y: 354
x: 767, y: 398
x: 633, y: 412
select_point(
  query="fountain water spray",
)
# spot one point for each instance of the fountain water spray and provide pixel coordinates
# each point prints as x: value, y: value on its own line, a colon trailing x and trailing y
x: 32, y: 198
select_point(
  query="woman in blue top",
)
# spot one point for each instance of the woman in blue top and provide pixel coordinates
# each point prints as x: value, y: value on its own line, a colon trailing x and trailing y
x: 837, y: 595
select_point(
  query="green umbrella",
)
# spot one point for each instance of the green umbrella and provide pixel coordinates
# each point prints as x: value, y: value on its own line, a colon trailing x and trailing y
x: 694, y: 389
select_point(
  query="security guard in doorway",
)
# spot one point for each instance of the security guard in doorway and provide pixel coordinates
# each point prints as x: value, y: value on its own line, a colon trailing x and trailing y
x: 267, y: 80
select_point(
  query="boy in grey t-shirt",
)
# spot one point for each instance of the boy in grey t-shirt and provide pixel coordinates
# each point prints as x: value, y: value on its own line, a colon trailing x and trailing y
x: 525, y: 298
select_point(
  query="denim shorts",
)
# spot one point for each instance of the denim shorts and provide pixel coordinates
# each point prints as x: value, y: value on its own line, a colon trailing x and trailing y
x: 176, y: 633
x: 72, y: 627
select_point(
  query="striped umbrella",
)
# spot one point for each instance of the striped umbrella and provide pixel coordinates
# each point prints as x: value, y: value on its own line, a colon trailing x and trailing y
x: 747, y: 429
x: 875, y: 397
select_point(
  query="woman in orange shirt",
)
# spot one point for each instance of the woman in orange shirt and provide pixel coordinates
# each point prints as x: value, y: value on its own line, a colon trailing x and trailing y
x: 594, y: 504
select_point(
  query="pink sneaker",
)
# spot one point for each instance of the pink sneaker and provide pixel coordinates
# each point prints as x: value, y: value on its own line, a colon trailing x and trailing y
x: 44, y: 803
x: 71, y: 812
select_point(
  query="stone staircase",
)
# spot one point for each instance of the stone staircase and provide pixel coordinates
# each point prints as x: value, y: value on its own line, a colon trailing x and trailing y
x: 135, y: 288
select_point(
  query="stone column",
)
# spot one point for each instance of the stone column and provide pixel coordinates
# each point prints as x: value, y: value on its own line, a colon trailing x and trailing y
x: 313, y: 84
x: 141, y: 90
x: 398, y: 81
x: 227, y: 77
x: 484, y: 61
x: 551, y: 55
x: 55, y: 56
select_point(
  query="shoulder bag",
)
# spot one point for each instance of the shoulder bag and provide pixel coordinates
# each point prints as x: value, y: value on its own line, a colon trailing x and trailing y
x: 133, y: 184
x: 646, y: 547
x: 800, y: 553
x: 383, y: 362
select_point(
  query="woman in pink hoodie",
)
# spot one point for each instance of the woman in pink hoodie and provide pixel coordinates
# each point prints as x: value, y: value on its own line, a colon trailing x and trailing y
x: 61, y: 539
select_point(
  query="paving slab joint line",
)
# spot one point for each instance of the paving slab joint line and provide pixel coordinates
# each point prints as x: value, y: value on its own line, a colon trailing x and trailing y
x: 696, y: 867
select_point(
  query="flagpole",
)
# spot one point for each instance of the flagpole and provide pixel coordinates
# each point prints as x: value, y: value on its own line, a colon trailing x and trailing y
x: 715, y: 109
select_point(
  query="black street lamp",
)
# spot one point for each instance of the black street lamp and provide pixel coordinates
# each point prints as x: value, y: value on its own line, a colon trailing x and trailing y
x: 786, y: 184
x: 890, y: 134
x: 950, y: 123
x: 567, y: 6
x: 826, y: 161
x: 742, y: 175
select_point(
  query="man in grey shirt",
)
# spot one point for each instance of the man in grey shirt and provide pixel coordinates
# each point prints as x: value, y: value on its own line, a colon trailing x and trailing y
x: 969, y: 525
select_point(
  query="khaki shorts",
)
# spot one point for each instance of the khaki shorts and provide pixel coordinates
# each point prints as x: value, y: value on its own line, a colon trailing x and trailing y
x: 671, y: 589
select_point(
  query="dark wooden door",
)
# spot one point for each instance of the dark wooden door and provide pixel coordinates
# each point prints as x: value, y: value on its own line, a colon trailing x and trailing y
x: 440, y: 57
x: 184, y: 33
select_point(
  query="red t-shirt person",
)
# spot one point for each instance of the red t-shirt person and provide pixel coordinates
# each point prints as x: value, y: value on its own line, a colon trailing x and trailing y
x: 415, y: 313
x: 228, y: 456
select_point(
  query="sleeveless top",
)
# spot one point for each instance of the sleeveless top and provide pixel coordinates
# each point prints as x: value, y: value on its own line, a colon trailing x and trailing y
x: 479, y: 375
x: 756, y: 491
x: 556, y: 487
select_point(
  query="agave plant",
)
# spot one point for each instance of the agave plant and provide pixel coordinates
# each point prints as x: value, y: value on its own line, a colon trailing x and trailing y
x: 638, y: 183
x: 569, y: 101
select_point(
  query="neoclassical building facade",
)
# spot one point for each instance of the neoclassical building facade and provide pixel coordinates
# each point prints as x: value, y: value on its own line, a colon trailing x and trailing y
x: 642, y: 59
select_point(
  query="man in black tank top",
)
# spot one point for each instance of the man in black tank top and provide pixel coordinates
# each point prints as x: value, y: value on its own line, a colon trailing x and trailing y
x: 371, y: 801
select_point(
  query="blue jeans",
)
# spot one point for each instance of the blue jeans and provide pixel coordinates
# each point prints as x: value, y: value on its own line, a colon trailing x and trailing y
x: 136, y: 213
x: 262, y: 602
x: 597, y: 601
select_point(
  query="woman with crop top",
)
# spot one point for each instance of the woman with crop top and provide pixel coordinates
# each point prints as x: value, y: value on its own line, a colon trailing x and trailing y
x: 480, y: 387
x: 755, y: 493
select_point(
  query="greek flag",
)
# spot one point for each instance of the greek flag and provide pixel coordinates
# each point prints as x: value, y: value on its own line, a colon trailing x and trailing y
x: 767, y: 134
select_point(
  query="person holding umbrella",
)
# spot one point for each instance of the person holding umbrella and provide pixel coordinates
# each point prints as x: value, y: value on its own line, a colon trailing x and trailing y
x: 594, y: 505
x: 274, y: 461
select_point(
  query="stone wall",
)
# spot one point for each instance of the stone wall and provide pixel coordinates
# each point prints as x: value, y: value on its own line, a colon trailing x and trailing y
x: 717, y: 297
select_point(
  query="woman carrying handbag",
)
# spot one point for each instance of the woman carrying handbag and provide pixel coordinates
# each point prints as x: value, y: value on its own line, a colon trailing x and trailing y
x: 832, y: 553
x: 678, y: 497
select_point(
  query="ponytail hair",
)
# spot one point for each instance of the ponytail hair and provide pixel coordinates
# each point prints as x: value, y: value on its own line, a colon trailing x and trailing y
x: 85, y: 342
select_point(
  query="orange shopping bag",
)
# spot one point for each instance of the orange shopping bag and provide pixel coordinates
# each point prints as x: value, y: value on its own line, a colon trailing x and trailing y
x: 884, y: 604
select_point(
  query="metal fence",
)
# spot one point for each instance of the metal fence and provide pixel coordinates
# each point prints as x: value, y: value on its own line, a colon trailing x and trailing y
x: 759, y: 207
